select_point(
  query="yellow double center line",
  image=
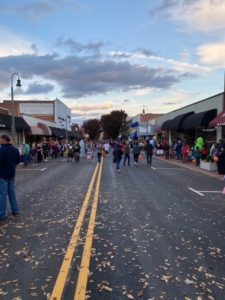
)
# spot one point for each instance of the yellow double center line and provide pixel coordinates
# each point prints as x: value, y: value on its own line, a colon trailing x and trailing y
x: 85, y: 261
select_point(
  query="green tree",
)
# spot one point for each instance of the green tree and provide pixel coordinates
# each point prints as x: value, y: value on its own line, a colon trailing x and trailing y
x: 92, y: 127
x: 113, y: 123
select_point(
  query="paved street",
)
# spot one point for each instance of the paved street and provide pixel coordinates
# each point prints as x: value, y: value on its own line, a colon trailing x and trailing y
x: 158, y: 233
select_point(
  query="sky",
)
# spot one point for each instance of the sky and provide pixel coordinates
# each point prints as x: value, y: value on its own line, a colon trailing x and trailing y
x: 101, y: 55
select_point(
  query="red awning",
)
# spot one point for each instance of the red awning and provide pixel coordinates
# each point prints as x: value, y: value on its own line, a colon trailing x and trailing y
x: 218, y: 120
x: 47, y: 131
x: 35, y: 130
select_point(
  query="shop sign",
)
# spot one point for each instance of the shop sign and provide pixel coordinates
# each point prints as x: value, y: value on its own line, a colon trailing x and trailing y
x: 2, y: 125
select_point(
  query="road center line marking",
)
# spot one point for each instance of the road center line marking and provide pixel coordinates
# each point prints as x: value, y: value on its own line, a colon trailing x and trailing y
x: 63, y: 273
x: 210, y: 191
x: 43, y: 169
x: 80, y: 293
x: 153, y: 168
x: 197, y: 192
x: 26, y: 169
x: 170, y: 169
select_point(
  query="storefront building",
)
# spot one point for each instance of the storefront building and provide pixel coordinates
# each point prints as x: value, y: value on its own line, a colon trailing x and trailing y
x: 51, y: 111
x: 21, y: 127
x: 143, y: 126
x: 192, y: 121
x: 49, y: 119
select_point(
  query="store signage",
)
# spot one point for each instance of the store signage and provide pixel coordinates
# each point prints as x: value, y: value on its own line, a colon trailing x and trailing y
x: 37, y: 108
x: 2, y: 125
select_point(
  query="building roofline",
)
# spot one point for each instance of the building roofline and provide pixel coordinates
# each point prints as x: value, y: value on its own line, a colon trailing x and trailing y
x: 31, y: 101
x: 195, y: 103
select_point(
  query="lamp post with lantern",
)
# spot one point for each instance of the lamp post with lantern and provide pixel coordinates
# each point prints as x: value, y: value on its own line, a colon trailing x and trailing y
x: 145, y: 108
x: 66, y: 124
x: 18, y: 84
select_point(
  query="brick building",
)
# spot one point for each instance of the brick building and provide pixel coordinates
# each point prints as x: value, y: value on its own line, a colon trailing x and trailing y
x: 49, y: 110
x: 143, y: 125
x: 45, y: 118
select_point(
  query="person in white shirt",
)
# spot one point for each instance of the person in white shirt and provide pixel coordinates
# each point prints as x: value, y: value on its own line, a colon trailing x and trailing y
x: 106, y: 147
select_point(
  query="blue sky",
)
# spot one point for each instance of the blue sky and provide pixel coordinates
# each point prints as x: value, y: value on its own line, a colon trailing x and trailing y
x: 97, y: 56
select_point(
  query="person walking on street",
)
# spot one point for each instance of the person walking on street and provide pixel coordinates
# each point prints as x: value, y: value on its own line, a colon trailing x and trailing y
x: 221, y: 157
x: 9, y: 159
x: 77, y: 150
x: 166, y: 149
x: 39, y: 153
x: 26, y: 154
x: 70, y: 153
x: 118, y: 154
x: 99, y: 151
x: 33, y: 153
x: 89, y: 152
x: 106, y: 148
x: 184, y: 151
x: 136, y: 152
x: 149, y: 151
x: 178, y: 150
x: 126, y: 154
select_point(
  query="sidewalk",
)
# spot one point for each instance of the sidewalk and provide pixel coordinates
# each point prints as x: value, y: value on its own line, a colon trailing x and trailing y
x: 191, y: 166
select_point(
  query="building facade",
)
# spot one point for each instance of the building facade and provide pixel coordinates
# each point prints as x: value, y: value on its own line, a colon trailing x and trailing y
x: 143, y: 125
x: 53, y: 111
x: 44, y: 118
x: 193, y: 120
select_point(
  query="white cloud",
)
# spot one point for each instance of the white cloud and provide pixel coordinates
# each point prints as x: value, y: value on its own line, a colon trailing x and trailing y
x: 12, y: 44
x: 145, y: 91
x: 85, y: 107
x: 205, y: 16
x: 212, y: 54
x: 159, y: 61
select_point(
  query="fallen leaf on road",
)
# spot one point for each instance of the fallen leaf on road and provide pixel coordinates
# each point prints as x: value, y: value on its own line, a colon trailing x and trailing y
x: 166, y: 278
x: 140, y: 294
x: 187, y: 281
x: 129, y: 296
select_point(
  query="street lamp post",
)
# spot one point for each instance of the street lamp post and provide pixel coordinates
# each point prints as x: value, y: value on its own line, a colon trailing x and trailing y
x: 67, y: 117
x: 145, y: 108
x: 65, y: 120
x: 66, y: 131
x: 18, y: 84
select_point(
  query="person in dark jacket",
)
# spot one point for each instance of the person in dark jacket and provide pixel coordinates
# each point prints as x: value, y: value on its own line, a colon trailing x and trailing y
x: 149, y: 151
x: 136, y: 152
x: 221, y: 157
x: 9, y: 159
x: 126, y: 152
x: 77, y: 150
x: 118, y: 154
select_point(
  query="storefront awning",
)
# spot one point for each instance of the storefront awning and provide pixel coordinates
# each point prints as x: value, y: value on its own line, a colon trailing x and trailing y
x: 134, y: 135
x: 70, y: 134
x: 135, y: 124
x: 20, y: 123
x: 218, y: 120
x: 176, y: 123
x: 47, y: 131
x: 35, y: 130
x: 199, y: 120
x: 58, y: 132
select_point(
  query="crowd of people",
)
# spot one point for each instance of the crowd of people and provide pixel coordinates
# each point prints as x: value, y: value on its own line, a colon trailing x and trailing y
x: 178, y: 149
x: 195, y: 151
x: 53, y: 149
x: 122, y: 151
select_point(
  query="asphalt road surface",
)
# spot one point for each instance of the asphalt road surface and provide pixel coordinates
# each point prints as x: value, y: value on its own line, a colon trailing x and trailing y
x: 88, y: 232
